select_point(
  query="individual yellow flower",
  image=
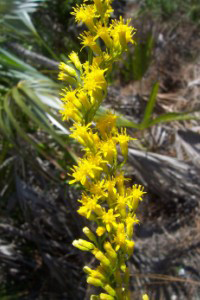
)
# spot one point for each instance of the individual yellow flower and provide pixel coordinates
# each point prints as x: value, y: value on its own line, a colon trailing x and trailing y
x: 67, y: 69
x: 98, y: 189
x: 69, y: 111
x: 109, y: 219
x: 121, y: 205
x: 89, y: 205
x: 84, y: 100
x: 75, y: 60
x: 106, y: 124
x: 100, y: 230
x: 123, y: 139
x: 84, y: 135
x: 122, y: 32
x: 135, y: 195
x: 88, y: 40
x: 120, y: 237
x: 108, y: 150
x: 131, y: 220
x: 87, y: 168
x: 145, y: 297
x: 69, y: 95
x: 94, y: 79
x: 129, y: 247
x: 103, y: 33
x: 86, y: 14
x: 112, y: 191
x: 120, y: 183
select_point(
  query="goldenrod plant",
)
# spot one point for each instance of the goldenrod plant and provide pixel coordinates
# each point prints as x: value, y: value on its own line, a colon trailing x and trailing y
x: 105, y: 201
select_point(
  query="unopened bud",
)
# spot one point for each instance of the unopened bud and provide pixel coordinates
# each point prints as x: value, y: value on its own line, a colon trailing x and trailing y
x: 67, y: 69
x: 110, y: 251
x: 89, y: 234
x: 109, y: 290
x: 83, y: 245
x: 102, y: 258
x: 106, y: 297
x: 94, y: 281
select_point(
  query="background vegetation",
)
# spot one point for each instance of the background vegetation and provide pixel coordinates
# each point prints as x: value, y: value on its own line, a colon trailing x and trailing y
x: 155, y: 92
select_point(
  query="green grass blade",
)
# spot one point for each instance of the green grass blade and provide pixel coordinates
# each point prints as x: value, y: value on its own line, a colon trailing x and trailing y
x: 170, y: 117
x: 150, y: 106
x: 11, y: 61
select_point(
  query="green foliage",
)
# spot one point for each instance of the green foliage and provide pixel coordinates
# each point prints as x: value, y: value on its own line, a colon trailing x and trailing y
x: 148, y: 119
x: 166, y: 8
x: 137, y: 63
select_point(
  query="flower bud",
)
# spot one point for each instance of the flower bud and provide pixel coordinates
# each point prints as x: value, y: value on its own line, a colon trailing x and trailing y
x: 102, y: 258
x: 100, y: 230
x: 83, y: 245
x: 129, y: 247
x: 87, y: 270
x: 109, y: 290
x: 94, y: 281
x: 67, y: 69
x: 110, y: 251
x: 106, y: 297
x: 89, y: 234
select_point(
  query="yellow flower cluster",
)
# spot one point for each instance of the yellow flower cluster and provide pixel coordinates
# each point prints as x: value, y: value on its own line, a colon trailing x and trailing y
x: 106, y: 201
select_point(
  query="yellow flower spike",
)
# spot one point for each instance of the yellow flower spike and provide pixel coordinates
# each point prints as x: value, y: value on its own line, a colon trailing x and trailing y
x: 83, y: 245
x: 67, y: 69
x: 89, y: 234
x: 109, y: 219
x: 86, y: 14
x: 100, y: 230
x: 106, y: 297
x: 105, y: 200
x: 145, y: 297
x: 89, y: 40
x: 75, y: 60
x: 94, y: 281
x: 109, y: 290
